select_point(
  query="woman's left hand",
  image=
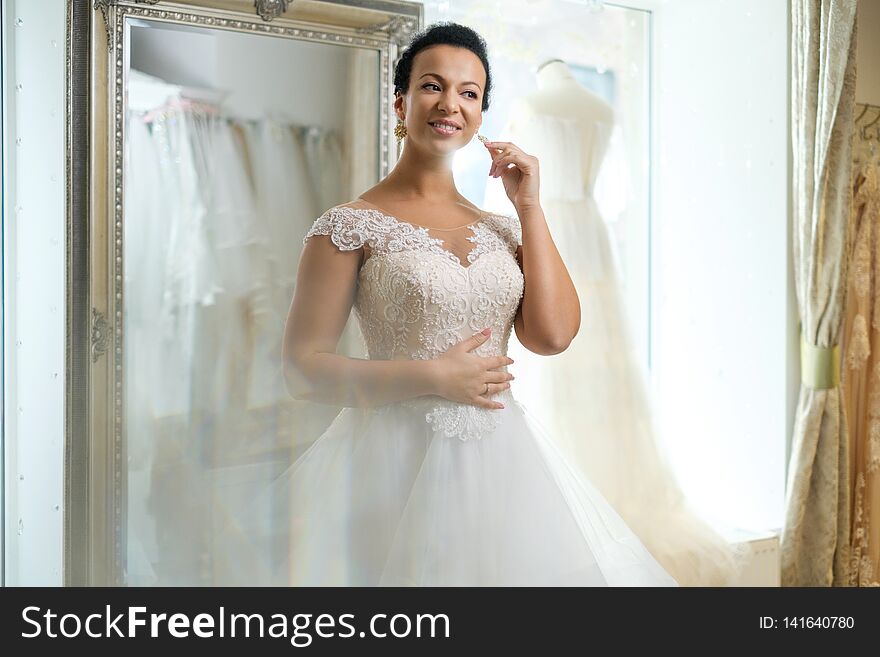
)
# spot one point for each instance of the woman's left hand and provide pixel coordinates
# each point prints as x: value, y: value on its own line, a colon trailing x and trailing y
x: 521, y: 181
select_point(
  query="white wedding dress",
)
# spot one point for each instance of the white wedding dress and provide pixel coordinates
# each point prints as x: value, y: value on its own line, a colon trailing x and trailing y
x: 427, y: 491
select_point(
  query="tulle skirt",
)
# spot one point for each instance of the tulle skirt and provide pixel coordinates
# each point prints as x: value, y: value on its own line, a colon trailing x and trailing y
x: 594, y: 402
x: 383, y: 499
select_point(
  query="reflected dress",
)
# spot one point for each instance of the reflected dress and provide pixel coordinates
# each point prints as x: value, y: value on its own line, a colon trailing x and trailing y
x: 428, y: 491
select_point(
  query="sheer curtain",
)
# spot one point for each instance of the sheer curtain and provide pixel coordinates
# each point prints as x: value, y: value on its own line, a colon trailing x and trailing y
x: 815, y: 538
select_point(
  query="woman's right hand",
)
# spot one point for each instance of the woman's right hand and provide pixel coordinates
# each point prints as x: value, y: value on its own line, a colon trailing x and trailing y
x: 462, y: 376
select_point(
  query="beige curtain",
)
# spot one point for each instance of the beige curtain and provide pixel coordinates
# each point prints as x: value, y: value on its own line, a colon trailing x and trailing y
x: 815, y: 538
x: 360, y: 133
x: 861, y: 344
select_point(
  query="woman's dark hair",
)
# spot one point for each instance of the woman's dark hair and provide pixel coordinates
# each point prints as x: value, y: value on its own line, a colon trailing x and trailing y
x: 446, y: 33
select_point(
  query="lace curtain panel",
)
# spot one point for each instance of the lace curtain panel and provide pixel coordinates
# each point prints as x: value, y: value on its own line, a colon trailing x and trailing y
x: 815, y: 537
x: 860, y: 377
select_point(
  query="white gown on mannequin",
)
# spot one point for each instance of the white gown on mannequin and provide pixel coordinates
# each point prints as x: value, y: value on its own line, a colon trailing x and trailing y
x: 593, y: 397
x: 430, y: 492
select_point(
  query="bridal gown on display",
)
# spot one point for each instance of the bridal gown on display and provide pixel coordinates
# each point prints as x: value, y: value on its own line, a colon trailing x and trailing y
x: 427, y: 491
x: 593, y: 397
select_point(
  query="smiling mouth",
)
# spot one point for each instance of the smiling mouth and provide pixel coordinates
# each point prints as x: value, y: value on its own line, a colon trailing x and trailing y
x: 444, y: 128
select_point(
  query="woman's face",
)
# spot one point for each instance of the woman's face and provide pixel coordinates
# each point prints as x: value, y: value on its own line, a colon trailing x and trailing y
x: 446, y: 83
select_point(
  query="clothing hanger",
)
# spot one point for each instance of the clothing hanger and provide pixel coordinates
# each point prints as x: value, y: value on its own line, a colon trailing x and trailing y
x: 178, y: 104
x: 863, y: 130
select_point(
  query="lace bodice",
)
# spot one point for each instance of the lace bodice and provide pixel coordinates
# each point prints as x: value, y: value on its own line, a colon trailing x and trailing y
x: 416, y: 297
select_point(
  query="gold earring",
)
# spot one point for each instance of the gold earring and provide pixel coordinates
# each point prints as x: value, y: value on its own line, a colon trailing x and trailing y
x: 482, y: 138
x: 400, y: 130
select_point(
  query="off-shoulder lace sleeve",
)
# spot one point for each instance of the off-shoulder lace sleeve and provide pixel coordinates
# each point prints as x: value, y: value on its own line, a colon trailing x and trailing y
x: 347, y: 228
x: 510, y: 229
x: 516, y: 230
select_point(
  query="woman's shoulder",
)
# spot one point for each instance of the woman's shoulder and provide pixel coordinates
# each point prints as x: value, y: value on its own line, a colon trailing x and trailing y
x: 354, y: 204
x: 349, y: 225
x: 355, y: 210
x: 507, y: 225
x: 344, y: 209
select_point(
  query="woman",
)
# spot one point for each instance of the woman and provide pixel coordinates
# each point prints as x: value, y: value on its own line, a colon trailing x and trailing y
x: 433, y: 473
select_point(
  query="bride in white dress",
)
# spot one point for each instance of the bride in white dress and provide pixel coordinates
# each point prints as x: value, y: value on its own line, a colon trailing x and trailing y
x: 433, y: 474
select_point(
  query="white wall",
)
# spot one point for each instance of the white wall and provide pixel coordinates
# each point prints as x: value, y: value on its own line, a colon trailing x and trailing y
x: 868, y: 52
x: 722, y: 317
x: 33, y: 289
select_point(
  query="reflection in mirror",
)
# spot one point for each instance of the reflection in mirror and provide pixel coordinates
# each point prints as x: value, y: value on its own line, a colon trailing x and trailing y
x: 234, y: 143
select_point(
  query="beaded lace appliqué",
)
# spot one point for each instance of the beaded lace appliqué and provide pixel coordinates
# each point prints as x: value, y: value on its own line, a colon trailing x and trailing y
x: 413, y: 306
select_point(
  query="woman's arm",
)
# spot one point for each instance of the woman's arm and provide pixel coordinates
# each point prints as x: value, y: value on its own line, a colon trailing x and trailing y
x: 325, y: 291
x: 549, y: 315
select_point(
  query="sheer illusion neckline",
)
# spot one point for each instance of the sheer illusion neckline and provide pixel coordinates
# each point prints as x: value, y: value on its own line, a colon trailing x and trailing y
x: 483, y: 215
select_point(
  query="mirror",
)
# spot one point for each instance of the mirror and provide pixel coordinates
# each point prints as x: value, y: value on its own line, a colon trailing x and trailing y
x: 246, y: 153
x: 235, y: 129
